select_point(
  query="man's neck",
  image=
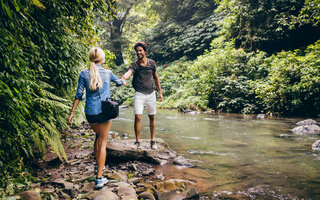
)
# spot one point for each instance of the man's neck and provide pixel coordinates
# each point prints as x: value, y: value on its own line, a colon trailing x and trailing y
x: 143, y: 61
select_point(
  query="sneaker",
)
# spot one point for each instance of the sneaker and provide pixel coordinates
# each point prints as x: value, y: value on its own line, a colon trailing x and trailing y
x: 96, y: 169
x: 153, y: 145
x: 100, y: 182
x: 137, y: 144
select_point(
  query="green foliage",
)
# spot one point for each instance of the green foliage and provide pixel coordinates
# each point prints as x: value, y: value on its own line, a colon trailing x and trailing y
x: 231, y: 80
x: 186, y: 29
x: 293, y: 85
x: 43, y: 47
x: 267, y: 25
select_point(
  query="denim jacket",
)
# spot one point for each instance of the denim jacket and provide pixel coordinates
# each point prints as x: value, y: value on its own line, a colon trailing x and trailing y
x: 93, y: 101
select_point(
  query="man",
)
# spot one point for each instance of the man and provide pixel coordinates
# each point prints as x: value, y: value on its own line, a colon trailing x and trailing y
x: 144, y: 78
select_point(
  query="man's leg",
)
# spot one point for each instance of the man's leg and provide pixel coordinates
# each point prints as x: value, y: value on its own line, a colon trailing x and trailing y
x: 151, y: 105
x: 152, y: 119
x: 139, y: 100
x: 137, y: 127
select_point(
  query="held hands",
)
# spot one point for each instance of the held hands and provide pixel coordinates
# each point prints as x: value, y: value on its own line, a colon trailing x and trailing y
x: 123, y: 79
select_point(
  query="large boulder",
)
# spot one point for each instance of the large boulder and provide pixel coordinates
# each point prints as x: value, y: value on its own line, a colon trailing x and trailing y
x: 316, y: 146
x: 307, y: 122
x: 125, y: 150
x: 307, y: 130
x: 30, y: 195
x: 176, y: 189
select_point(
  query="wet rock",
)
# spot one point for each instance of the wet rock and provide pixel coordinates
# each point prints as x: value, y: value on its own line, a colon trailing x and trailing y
x: 160, y: 177
x: 316, y: 146
x: 133, y: 166
x: 307, y: 130
x: 63, y: 184
x: 125, y: 150
x: 284, y: 136
x: 30, y: 195
x: 146, y: 187
x: 118, y: 185
x: 182, y: 162
x: 261, y: 116
x: 105, y: 195
x: 148, y: 172
x: 118, y: 176
x: 126, y: 191
x: 191, y: 112
x: 146, y: 196
x: 307, y: 122
x: 125, y: 135
x: 88, y: 187
x: 176, y: 189
x: 129, y: 197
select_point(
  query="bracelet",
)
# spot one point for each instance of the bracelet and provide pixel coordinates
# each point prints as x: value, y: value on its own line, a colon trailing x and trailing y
x: 73, y: 111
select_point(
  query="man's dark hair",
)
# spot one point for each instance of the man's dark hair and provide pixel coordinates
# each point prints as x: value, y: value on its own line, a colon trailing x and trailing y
x: 140, y: 44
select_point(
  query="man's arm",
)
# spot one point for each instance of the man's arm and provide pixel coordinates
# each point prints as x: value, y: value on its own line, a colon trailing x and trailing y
x: 156, y: 79
x: 126, y: 75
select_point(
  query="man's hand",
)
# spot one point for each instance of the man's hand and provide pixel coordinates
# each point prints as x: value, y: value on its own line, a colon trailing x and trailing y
x: 160, y: 97
x: 123, y: 79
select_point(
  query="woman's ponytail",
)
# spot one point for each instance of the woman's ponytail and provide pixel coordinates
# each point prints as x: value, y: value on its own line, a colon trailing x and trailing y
x: 95, y: 80
x: 96, y: 54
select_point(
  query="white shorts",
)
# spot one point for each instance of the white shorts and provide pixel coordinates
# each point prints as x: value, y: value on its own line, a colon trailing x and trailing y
x: 149, y: 99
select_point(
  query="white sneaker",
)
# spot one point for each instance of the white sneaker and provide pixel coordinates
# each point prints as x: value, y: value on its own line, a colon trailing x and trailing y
x: 100, y: 182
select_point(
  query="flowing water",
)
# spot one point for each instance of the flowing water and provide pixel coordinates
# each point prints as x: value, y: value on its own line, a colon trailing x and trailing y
x: 239, y: 153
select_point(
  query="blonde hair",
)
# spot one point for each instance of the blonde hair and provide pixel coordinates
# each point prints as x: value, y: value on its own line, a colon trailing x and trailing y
x: 96, y: 54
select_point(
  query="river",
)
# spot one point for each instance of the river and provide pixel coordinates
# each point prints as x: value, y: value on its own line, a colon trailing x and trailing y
x: 258, y: 158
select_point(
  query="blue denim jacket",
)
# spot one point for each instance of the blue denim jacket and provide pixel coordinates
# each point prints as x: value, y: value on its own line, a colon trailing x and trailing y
x: 93, y: 101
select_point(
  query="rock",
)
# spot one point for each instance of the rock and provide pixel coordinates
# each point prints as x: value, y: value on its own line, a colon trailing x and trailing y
x: 118, y: 176
x: 307, y: 130
x: 126, y: 190
x: 182, y: 162
x: 125, y: 135
x: 307, y: 122
x: 191, y: 112
x: 129, y: 197
x: 160, y: 177
x: 146, y: 196
x: 148, y: 172
x: 30, y: 195
x: 88, y: 187
x: 176, y: 189
x: 261, y: 116
x: 118, y: 185
x: 64, y: 184
x: 106, y: 195
x: 316, y: 146
x: 125, y: 150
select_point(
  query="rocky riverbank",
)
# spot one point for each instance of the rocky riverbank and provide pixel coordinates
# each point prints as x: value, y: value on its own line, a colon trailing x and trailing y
x: 132, y: 172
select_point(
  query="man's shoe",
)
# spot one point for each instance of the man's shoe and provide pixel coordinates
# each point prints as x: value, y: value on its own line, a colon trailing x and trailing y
x: 96, y: 169
x: 100, y: 182
x: 153, y: 145
x: 137, y: 144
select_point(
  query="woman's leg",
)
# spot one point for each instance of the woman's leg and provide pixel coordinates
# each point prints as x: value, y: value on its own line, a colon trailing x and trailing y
x: 100, y: 149
x: 95, y: 128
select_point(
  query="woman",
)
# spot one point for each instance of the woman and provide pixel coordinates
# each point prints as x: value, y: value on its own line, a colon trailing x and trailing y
x: 96, y: 81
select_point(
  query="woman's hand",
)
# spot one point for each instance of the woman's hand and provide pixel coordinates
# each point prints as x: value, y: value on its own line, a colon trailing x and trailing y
x: 123, y: 79
x: 70, y: 118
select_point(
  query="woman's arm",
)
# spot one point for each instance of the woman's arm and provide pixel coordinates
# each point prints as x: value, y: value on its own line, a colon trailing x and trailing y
x: 74, y: 107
